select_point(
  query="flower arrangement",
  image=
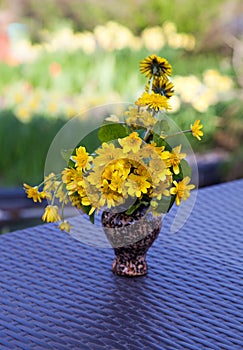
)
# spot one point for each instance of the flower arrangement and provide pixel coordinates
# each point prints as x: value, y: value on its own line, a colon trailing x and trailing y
x: 134, y: 166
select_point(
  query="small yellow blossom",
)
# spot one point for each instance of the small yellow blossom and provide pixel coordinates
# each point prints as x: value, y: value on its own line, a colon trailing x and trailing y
x: 34, y: 193
x: 131, y: 143
x: 181, y: 190
x: 82, y: 158
x: 137, y: 185
x: 173, y: 159
x: 51, y: 214
x: 65, y: 226
x: 153, y: 101
x: 195, y: 129
x: 106, y: 153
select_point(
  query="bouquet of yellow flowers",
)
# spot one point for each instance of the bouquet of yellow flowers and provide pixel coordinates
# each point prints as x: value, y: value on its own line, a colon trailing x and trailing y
x: 133, y: 167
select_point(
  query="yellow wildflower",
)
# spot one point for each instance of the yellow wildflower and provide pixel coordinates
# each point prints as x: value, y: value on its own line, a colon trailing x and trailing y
x: 162, y: 86
x: 131, y: 143
x: 181, y: 190
x: 106, y: 153
x: 195, y: 129
x: 137, y: 185
x: 173, y: 159
x: 68, y: 174
x: 154, y: 65
x: 33, y: 192
x: 51, y: 214
x: 65, y: 226
x: 158, y: 169
x: 82, y: 159
x: 153, y: 101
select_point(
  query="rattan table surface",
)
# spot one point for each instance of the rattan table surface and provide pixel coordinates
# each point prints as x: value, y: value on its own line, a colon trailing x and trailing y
x: 59, y: 293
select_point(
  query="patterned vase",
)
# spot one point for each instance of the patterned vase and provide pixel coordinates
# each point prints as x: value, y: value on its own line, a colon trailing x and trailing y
x: 131, y: 236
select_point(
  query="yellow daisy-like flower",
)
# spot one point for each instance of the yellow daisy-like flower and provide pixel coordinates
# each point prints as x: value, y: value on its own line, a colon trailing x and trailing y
x: 51, y: 214
x: 34, y: 193
x: 161, y: 86
x: 153, y: 101
x: 82, y: 158
x: 68, y: 174
x: 106, y: 153
x: 109, y: 197
x: 162, y: 189
x: 131, y: 143
x: 158, y: 169
x: 173, y: 159
x: 195, y: 129
x: 137, y: 185
x: 154, y: 65
x: 65, y: 226
x: 181, y: 190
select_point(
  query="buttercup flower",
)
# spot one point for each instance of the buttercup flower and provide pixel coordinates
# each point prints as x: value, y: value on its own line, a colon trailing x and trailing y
x: 82, y: 158
x: 131, y: 143
x: 195, y: 129
x: 65, y: 226
x: 33, y: 192
x: 51, y: 214
x: 181, y: 190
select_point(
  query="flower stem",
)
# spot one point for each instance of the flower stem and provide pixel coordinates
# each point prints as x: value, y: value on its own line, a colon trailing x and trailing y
x: 177, y: 133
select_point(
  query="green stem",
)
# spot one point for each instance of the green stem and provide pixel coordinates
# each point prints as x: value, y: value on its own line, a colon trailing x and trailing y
x: 177, y: 133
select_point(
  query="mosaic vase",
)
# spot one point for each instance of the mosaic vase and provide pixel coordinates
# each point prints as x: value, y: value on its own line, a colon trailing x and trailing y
x: 131, y: 236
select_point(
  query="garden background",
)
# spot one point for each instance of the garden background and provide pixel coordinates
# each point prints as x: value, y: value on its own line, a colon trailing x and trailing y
x: 59, y: 58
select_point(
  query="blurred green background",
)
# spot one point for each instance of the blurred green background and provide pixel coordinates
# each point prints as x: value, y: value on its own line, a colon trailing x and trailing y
x: 60, y: 57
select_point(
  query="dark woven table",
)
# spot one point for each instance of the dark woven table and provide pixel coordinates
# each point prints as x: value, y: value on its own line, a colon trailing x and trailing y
x: 58, y: 293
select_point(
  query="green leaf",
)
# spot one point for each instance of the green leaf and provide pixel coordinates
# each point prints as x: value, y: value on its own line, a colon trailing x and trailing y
x: 165, y: 204
x: 66, y: 154
x: 161, y: 127
x: 134, y: 207
x: 161, y: 142
x: 185, y: 168
x: 112, y: 131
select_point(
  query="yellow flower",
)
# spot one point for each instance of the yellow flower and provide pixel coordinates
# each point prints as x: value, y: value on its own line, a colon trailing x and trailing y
x: 33, y: 192
x: 82, y: 159
x: 131, y: 143
x: 195, y: 129
x: 137, y: 185
x: 173, y: 159
x: 155, y: 66
x: 51, y: 214
x: 181, y: 190
x: 161, y: 86
x: 68, y: 174
x: 65, y: 226
x: 108, y: 196
x: 106, y: 153
x: 159, y: 170
x: 161, y: 189
x: 153, y: 101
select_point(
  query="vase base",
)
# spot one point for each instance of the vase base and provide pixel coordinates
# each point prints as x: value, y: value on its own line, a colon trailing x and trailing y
x: 131, y: 268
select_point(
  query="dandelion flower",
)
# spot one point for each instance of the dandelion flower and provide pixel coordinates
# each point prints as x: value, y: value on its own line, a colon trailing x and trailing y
x: 155, y: 66
x: 153, y: 101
